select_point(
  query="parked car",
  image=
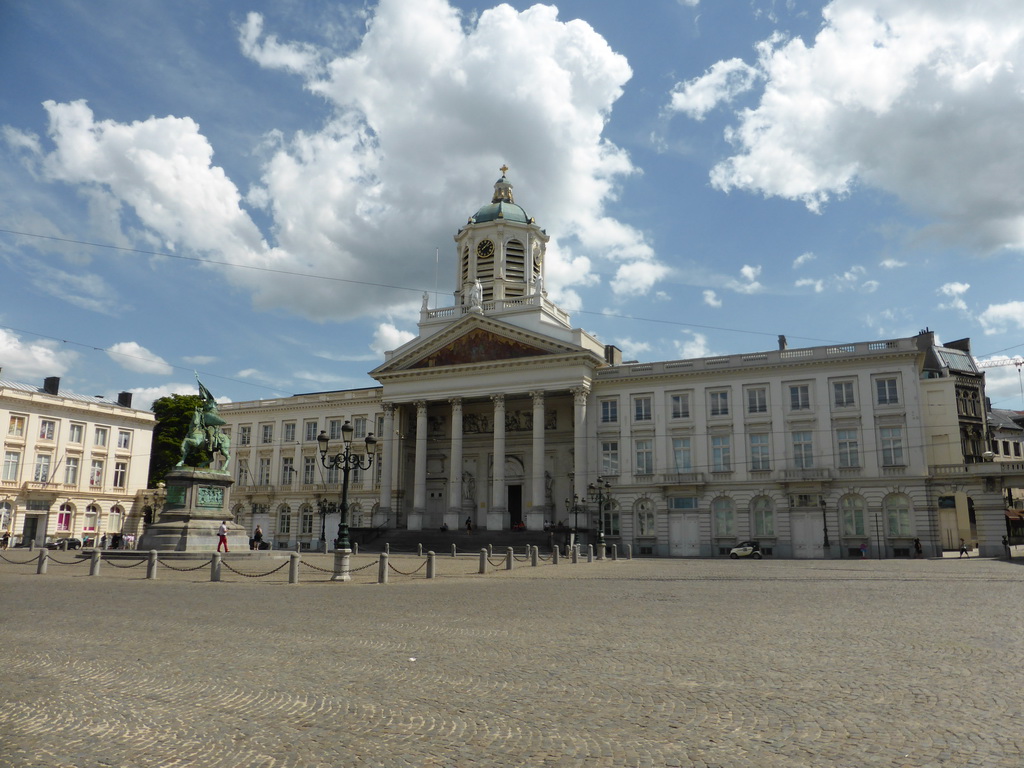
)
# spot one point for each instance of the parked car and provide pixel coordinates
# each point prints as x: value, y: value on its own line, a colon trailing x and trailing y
x: 70, y: 543
x: 746, y: 549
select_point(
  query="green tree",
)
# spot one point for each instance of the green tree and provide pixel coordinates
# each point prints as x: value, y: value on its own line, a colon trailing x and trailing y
x: 173, y: 418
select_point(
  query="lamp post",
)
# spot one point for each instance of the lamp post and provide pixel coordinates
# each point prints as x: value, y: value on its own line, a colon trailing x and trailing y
x: 824, y: 524
x: 575, y: 505
x: 346, y: 461
x: 597, y: 493
x: 324, y: 507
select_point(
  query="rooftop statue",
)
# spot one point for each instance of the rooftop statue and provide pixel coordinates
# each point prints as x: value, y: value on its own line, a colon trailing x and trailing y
x: 204, y: 432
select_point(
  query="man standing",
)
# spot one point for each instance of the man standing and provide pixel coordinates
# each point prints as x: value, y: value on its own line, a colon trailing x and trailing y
x: 222, y: 536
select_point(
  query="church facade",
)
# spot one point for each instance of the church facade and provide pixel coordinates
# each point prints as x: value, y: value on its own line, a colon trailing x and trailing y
x: 501, y: 414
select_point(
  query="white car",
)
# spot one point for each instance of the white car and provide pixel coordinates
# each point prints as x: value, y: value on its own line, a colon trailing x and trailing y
x: 746, y: 549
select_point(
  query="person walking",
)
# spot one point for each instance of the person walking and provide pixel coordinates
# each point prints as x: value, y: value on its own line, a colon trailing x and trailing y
x: 918, y: 549
x: 257, y: 537
x: 469, y: 525
x: 222, y: 536
x: 963, y: 549
x: 1006, y: 547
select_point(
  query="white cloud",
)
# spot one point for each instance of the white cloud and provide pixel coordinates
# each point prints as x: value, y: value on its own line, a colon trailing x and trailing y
x: 134, y: 357
x: 636, y: 278
x: 695, y: 346
x: 918, y: 98
x: 802, y: 259
x: 955, y: 292
x: 27, y: 362
x: 817, y: 285
x: 998, y: 318
x: 892, y: 264
x: 711, y: 299
x: 632, y: 350
x: 388, y: 337
x: 722, y: 83
x: 200, y: 359
x: 749, y: 283
x: 143, y: 397
x: 298, y: 58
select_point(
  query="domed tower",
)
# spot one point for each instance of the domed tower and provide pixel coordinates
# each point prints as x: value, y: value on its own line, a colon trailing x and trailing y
x: 501, y: 253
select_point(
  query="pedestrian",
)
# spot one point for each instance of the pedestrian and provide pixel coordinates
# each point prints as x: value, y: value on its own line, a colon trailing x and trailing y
x: 5, y: 540
x: 918, y: 551
x: 469, y: 525
x: 864, y: 550
x: 257, y: 537
x: 222, y: 536
x: 1006, y: 547
x: 963, y: 549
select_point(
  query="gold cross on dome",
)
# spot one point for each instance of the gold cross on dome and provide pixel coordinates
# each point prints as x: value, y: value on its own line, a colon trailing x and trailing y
x: 503, y: 169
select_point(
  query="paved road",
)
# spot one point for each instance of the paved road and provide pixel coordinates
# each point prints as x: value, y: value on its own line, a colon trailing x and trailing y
x: 630, y: 663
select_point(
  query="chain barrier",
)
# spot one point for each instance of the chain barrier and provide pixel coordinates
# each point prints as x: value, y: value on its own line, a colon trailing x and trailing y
x: 19, y: 562
x: 370, y: 564
x: 541, y: 557
x: 316, y: 567
x: 410, y: 573
x: 61, y: 562
x: 522, y: 559
x: 252, y: 575
x: 112, y: 564
x: 500, y: 561
x: 185, y: 570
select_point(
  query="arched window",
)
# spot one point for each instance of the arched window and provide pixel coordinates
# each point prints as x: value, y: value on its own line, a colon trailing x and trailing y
x: 645, y: 519
x: 724, y: 517
x: 306, y: 520
x: 610, y: 518
x: 92, y: 517
x: 515, y: 269
x: 236, y: 513
x: 64, y: 517
x: 851, y: 508
x: 6, y: 516
x: 762, y: 516
x: 115, y: 518
x: 355, y: 515
x: 284, y: 520
x: 897, y: 514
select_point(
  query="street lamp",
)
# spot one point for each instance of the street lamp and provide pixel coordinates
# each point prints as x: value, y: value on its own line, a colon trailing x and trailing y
x: 824, y: 524
x: 575, y: 505
x: 597, y: 493
x: 324, y: 507
x: 346, y: 461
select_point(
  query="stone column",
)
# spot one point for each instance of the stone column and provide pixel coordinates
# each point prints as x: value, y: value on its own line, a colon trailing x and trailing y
x: 387, y: 462
x: 419, y: 495
x: 535, y: 516
x: 453, y: 518
x: 496, y: 513
x: 579, y: 432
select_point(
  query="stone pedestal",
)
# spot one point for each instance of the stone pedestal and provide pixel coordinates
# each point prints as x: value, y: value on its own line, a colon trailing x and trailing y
x: 196, y: 505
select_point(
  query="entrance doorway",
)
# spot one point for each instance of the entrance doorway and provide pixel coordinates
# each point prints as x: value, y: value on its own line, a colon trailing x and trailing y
x: 30, y: 529
x: 515, y: 506
x: 684, y: 536
x: 808, y: 535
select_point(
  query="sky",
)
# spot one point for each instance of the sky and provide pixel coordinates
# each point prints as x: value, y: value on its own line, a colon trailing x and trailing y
x: 261, y: 192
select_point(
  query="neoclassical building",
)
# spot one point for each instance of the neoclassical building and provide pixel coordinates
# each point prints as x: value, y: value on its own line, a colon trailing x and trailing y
x: 500, y: 411
x: 74, y: 465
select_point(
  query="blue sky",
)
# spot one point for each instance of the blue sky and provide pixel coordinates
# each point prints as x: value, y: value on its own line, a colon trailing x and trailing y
x: 262, y: 191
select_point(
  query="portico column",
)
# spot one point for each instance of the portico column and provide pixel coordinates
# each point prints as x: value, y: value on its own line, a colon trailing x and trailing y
x: 419, y: 494
x: 535, y: 517
x: 579, y: 434
x: 453, y: 518
x: 387, y: 462
x: 497, y: 510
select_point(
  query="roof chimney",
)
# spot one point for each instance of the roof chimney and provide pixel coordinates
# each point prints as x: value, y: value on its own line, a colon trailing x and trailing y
x: 124, y: 399
x: 612, y: 354
x: 51, y: 385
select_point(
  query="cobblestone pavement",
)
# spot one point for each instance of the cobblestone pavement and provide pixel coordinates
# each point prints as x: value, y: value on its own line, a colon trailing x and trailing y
x: 628, y: 663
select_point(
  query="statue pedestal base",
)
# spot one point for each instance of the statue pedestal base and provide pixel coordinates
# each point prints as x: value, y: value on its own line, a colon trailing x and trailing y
x: 196, y: 505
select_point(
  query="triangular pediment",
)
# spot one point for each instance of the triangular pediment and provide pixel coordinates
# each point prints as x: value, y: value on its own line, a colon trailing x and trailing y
x: 478, y: 346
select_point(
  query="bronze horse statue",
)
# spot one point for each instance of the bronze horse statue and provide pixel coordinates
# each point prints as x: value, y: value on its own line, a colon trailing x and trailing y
x: 204, y: 434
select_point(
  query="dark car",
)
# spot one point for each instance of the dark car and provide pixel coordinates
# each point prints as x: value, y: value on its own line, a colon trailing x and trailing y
x: 70, y: 543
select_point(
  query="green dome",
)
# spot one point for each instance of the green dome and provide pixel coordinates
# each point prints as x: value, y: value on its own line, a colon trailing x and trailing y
x: 502, y: 206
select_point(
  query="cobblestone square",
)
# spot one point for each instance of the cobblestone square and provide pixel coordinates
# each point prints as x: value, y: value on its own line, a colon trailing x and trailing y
x: 628, y: 663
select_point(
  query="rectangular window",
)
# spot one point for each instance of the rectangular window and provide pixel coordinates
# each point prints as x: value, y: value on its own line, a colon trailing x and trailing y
x: 244, y: 435
x: 71, y: 464
x: 287, y: 469
x: 284, y: 522
x: 96, y: 473
x: 721, y: 453
x: 12, y: 465
x: 16, y: 428
x: 244, y: 478
x: 120, y: 474
x: 41, y: 473
x: 644, y: 457
x: 264, y: 471
x: 892, y: 446
x: 359, y: 425
x: 887, y: 392
x: 101, y: 437
x: 682, y: 502
x: 309, y: 469
x: 76, y: 434
x: 849, y: 451
x: 680, y: 406
x: 124, y: 439
x: 799, y: 397
x: 842, y: 392
x: 759, y: 456
x: 310, y: 431
x: 681, y: 454
x: 334, y: 430
x: 757, y: 400
x: 803, y: 450
x: 609, y: 411
x: 380, y: 425
x: 268, y: 433
x: 333, y: 475
x: 610, y: 457
x: 719, y: 403
x: 47, y: 429
x: 642, y: 409
x: 289, y: 432
x: 63, y: 521
x: 306, y: 521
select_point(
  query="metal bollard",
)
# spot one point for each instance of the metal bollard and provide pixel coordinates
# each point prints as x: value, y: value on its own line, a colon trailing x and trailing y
x: 509, y: 557
x: 32, y: 546
x: 151, y: 565
x: 355, y: 547
x: 94, y: 564
x: 601, y: 552
x: 382, y: 569
x: 554, y: 556
x: 629, y: 551
x: 453, y: 550
x: 293, y: 567
x: 419, y: 550
x: 615, y: 551
x: 215, y: 566
x: 387, y: 547
x: 534, y: 556
x: 590, y: 553
x: 483, y: 561
x: 431, y: 572
x: 490, y: 550
x: 575, y: 555
x: 41, y: 566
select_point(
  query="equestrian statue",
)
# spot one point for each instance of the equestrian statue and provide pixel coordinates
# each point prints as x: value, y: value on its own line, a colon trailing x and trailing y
x: 204, y: 431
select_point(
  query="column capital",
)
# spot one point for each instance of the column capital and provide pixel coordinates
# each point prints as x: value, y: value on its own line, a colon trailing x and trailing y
x: 579, y: 394
x: 538, y: 397
x: 498, y: 400
x: 421, y: 406
x: 455, y: 402
x: 388, y: 407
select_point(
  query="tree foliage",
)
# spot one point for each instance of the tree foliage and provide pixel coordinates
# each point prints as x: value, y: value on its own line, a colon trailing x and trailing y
x: 173, y: 418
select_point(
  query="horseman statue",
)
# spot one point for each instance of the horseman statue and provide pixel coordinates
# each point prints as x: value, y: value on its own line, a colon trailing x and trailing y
x: 204, y: 431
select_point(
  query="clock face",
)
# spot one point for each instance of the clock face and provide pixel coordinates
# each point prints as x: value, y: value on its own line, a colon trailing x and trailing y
x: 485, y: 250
